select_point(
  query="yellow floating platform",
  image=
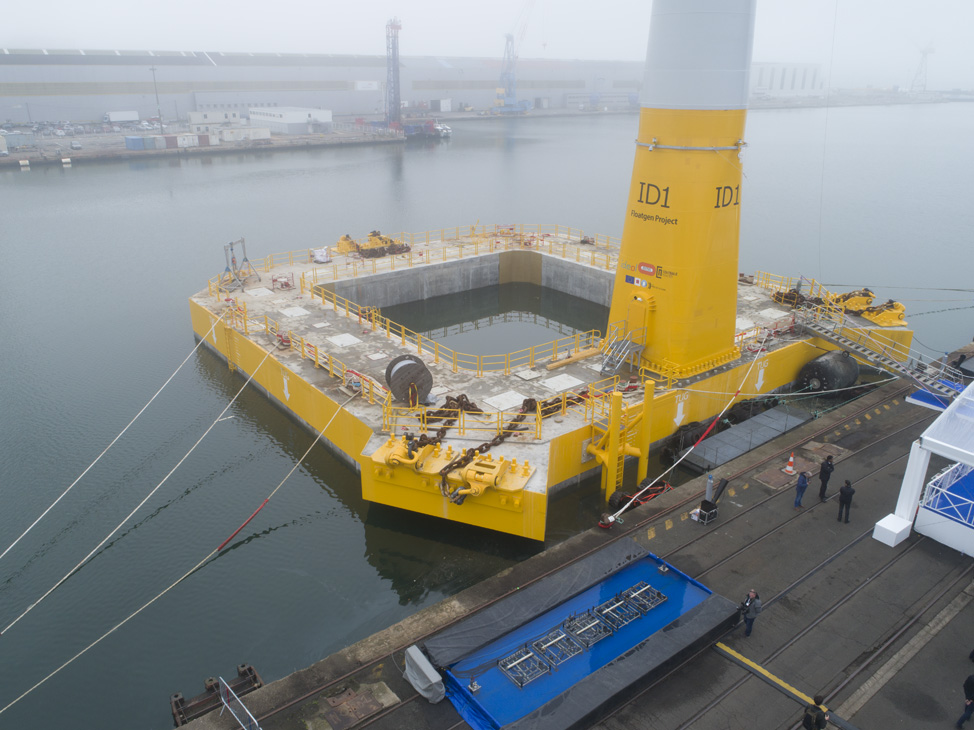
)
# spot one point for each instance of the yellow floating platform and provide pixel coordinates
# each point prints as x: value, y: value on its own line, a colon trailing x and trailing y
x: 312, y: 337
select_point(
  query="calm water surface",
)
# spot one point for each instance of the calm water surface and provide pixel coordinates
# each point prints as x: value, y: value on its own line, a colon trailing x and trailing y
x: 99, y: 261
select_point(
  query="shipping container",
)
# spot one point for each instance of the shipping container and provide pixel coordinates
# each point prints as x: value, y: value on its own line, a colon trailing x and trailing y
x: 204, y: 140
x: 171, y: 141
x: 19, y: 139
x: 187, y: 140
x: 441, y: 105
x: 134, y: 143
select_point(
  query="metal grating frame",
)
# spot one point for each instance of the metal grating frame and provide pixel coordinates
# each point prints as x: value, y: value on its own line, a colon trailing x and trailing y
x: 579, y: 631
x: 523, y: 666
x: 556, y: 647
x: 643, y: 596
x: 617, y: 612
x: 587, y: 628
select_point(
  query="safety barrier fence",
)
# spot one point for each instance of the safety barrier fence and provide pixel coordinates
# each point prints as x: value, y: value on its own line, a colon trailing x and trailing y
x: 752, y: 340
x: 457, y: 361
x: 564, y: 242
x: 398, y: 420
x: 883, y: 345
x: 353, y: 381
x: 233, y: 703
x: 589, y: 402
x: 938, y: 497
x: 807, y: 287
x: 593, y: 404
x: 458, y: 250
x: 830, y: 318
x: 665, y: 375
x: 839, y: 325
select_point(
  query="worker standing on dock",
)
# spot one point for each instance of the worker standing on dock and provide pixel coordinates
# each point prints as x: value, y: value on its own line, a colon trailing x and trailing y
x: 968, y: 701
x: 824, y: 473
x: 815, y: 717
x: 845, y: 499
x: 800, y: 488
x: 750, y: 608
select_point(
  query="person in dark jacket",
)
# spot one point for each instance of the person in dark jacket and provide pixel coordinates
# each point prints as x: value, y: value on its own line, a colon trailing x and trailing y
x: 968, y: 701
x: 824, y: 474
x: 845, y: 499
x: 815, y: 717
x: 750, y: 608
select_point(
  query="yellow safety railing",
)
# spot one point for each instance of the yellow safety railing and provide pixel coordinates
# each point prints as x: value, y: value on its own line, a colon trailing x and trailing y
x: 590, y: 402
x: 457, y: 361
x: 594, y: 404
x: 464, y: 424
x: 827, y: 311
x: 562, y: 241
x: 810, y: 288
x: 369, y: 389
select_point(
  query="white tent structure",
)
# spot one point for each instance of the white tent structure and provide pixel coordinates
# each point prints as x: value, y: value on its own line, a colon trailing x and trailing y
x: 944, y: 510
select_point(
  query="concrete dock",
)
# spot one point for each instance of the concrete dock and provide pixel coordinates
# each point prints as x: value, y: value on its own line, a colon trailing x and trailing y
x: 883, y: 633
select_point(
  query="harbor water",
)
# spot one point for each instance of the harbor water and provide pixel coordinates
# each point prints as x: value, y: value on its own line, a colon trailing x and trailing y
x: 100, y: 259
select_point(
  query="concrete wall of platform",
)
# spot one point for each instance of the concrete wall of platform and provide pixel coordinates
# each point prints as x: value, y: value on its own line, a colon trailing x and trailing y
x: 423, y: 282
x: 580, y: 281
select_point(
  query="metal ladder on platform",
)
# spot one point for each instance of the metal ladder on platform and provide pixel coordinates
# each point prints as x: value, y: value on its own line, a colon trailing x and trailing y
x: 618, y: 350
x: 827, y: 328
x: 627, y: 436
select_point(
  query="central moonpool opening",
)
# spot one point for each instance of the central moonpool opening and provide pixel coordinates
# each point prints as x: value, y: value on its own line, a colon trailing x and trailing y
x: 499, y: 319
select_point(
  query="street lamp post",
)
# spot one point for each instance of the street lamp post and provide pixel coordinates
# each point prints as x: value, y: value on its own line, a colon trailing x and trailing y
x: 156, y: 88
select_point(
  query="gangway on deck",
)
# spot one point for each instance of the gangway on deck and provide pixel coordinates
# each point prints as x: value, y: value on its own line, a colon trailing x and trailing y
x: 889, y: 356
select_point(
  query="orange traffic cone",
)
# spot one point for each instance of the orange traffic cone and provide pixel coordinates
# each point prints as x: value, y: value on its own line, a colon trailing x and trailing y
x: 790, y: 469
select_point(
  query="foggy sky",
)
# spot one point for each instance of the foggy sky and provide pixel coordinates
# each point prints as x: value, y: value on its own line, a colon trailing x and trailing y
x: 859, y: 42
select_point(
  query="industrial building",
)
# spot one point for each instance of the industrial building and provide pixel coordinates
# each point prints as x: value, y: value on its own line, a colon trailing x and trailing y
x: 83, y: 85
x: 292, y: 120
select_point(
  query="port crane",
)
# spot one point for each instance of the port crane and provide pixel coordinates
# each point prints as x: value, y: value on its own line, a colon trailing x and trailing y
x: 393, y: 99
x: 507, y: 102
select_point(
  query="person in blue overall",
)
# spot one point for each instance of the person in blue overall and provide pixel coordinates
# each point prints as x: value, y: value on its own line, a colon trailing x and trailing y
x: 800, y: 489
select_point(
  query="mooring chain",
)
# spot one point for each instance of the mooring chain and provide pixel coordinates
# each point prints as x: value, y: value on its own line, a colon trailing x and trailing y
x: 530, y: 405
x: 449, y: 414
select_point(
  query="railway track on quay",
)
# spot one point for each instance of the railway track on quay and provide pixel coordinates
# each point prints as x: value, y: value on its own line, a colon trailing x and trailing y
x: 837, y: 603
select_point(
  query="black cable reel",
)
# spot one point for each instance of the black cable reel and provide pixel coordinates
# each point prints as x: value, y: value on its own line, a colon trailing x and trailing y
x: 409, y: 379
